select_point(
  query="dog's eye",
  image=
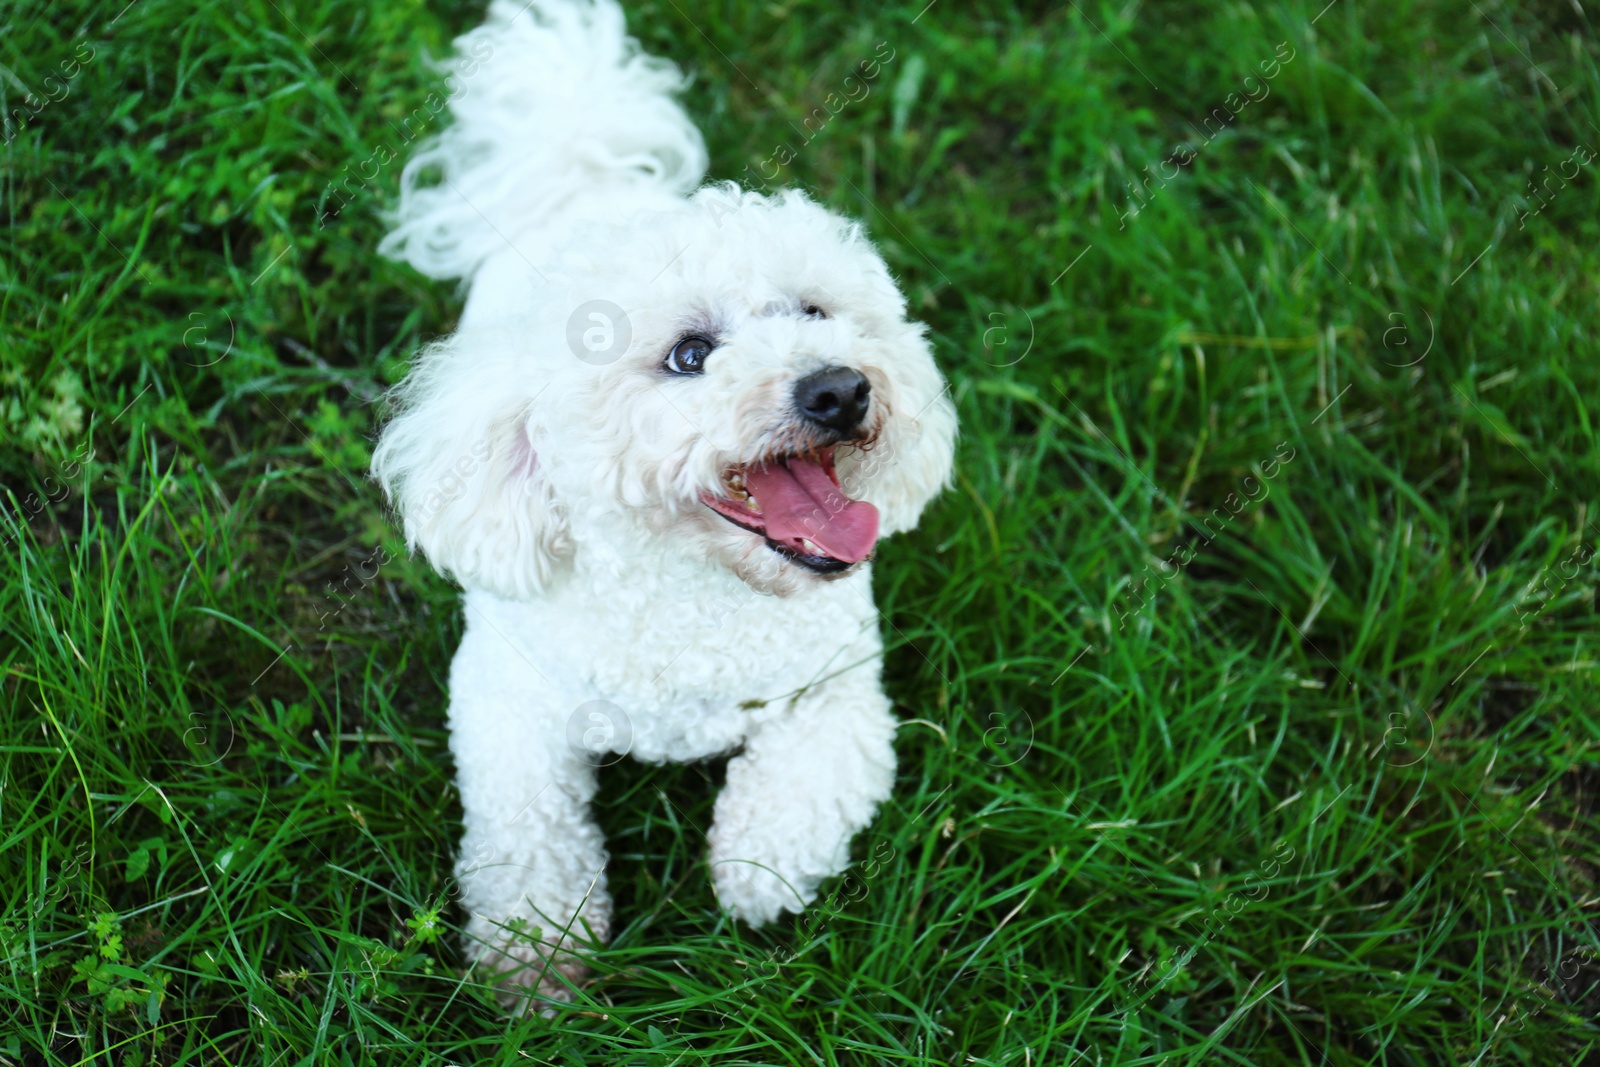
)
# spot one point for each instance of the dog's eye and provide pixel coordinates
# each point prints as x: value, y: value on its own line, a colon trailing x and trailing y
x: 814, y: 311
x: 688, y: 356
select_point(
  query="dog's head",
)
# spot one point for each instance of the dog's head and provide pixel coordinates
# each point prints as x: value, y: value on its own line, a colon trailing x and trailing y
x: 731, y: 379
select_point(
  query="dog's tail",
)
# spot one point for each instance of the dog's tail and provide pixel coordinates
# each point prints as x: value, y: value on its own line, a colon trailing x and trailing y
x: 551, y: 100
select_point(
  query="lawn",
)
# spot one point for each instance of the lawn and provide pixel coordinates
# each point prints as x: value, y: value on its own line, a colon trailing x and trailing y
x: 1247, y: 673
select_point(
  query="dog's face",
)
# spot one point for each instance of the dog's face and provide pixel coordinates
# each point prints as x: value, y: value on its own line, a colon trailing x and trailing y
x: 735, y: 381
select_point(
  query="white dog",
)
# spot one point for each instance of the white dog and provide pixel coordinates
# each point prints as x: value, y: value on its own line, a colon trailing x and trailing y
x: 657, y: 453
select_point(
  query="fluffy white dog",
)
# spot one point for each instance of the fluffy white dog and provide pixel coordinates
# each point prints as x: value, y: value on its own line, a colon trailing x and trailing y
x: 657, y: 453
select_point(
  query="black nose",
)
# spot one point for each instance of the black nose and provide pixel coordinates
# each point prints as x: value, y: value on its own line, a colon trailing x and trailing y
x: 835, y: 397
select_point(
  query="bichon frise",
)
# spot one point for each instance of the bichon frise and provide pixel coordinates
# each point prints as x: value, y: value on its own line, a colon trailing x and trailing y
x: 657, y: 453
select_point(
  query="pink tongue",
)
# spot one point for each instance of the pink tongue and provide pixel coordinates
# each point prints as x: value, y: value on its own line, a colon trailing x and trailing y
x: 798, y: 499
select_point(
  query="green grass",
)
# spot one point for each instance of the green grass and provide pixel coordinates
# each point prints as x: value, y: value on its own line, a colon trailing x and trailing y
x: 1318, y: 791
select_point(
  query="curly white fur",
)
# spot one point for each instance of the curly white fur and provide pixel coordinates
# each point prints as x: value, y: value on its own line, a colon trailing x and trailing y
x: 608, y: 609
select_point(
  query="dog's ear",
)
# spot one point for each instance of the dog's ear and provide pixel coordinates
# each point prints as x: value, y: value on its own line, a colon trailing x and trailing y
x: 911, y: 462
x: 457, y: 463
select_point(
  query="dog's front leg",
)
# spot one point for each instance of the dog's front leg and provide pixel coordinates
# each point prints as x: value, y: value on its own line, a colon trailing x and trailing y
x: 807, y: 781
x: 532, y: 863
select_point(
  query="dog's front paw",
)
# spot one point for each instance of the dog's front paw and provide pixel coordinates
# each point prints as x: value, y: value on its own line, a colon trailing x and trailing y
x: 758, y: 882
x: 530, y: 974
x: 757, y: 894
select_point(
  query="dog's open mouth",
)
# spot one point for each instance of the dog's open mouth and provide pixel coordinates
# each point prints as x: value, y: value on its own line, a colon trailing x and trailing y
x: 795, y: 503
